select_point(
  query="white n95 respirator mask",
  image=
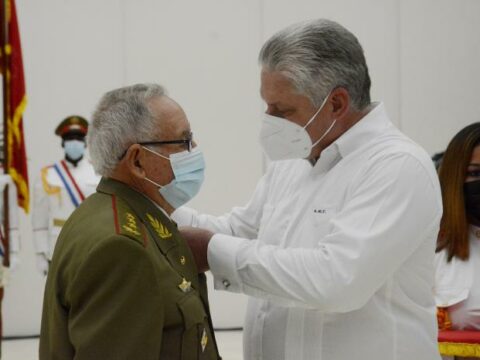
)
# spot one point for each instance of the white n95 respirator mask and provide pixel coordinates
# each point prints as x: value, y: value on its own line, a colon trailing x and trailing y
x: 282, y: 139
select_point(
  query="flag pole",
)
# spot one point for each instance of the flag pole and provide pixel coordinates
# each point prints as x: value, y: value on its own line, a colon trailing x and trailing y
x: 6, y: 112
x: 6, y: 104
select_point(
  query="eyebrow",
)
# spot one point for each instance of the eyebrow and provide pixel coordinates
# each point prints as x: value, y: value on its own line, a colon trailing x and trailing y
x: 474, y: 164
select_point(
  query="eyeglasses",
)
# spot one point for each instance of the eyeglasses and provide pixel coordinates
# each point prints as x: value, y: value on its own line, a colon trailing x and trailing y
x: 187, y: 142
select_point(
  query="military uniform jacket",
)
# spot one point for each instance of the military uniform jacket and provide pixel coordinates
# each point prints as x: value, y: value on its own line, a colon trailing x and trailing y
x: 52, y: 203
x: 123, y: 285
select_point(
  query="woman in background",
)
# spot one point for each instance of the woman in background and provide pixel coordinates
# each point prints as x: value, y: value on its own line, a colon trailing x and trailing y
x: 457, y: 262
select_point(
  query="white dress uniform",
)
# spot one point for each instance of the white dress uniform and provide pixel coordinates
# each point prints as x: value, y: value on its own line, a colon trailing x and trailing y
x: 53, y: 204
x: 338, y: 257
x: 14, y: 234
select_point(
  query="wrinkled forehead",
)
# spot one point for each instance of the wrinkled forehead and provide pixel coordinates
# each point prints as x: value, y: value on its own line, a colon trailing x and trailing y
x: 172, y: 122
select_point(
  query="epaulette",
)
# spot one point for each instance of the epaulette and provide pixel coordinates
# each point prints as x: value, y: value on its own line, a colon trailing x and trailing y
x: 126, y: 222
x: 49, y: 189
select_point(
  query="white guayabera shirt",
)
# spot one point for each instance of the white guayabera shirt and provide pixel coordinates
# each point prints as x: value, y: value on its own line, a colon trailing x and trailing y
x: 338, y: 257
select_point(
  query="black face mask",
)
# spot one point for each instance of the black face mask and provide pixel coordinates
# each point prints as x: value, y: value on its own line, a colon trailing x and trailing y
x: 471, y: 191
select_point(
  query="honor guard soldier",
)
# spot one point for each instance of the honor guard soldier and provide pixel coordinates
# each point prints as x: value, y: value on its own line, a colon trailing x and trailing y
x: 62, y: 187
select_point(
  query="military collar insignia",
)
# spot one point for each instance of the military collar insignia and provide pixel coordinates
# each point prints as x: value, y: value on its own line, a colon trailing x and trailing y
x: 159, y: 228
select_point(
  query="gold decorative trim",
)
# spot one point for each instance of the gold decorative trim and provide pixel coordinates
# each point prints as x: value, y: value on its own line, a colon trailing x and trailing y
x: 59, y: 222
x: 459, y: 349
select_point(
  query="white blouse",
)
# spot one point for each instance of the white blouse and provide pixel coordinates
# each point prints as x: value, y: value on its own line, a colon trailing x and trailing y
x: 458, y: 285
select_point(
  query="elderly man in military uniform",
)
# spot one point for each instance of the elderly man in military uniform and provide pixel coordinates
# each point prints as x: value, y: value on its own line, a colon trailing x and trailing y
x: 122, y: 283
x: 61, y: 188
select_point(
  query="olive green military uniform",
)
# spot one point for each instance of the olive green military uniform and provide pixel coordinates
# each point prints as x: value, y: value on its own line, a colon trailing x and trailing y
x: 123, y: 285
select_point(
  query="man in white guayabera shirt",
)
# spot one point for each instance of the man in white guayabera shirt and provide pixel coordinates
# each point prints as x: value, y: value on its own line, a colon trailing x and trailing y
x: 336, y: 246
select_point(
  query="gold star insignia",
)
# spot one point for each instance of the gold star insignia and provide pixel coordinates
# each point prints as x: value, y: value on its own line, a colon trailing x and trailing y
x: 185, y: 285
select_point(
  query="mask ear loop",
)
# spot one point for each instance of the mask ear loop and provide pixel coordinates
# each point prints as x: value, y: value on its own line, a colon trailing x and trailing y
x: 153, y: 182
x: 319, y: 109
x: 315, y: 115
x: 162, y: 156
x: 325, y: 134
x: 156, y: 153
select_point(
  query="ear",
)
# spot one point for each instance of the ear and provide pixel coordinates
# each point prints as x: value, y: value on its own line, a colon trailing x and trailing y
x: 134, y: 160
x: 340, y: 102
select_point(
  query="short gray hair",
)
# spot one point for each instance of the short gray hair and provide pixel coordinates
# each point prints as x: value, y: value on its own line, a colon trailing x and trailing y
x: 121, y: 118
x: 318, y: 56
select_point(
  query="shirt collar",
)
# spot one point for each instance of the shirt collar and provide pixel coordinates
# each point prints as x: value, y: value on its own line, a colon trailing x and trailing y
x: 139, y: 202
x: 366, y: 129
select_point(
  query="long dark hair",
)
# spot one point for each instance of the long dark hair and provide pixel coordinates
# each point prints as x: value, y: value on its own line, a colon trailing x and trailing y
x: 453, y: 234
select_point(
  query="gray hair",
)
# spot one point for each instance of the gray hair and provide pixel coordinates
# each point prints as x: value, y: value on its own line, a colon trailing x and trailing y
x: 121, y: 118
x: 318, y: 56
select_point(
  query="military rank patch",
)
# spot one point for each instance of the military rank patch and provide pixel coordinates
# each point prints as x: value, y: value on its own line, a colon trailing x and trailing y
x: 131, y: 224
x: 161, y: 230
x: 126, y: 223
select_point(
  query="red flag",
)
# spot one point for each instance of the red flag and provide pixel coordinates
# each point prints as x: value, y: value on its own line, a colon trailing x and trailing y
x: 15, y: 101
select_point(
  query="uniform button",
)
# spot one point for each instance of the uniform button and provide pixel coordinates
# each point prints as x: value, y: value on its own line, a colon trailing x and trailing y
x: 226, y: 283
x: 183, y: 260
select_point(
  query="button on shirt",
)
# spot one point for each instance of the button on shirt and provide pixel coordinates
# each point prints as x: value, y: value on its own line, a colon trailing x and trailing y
x: 337, y: 257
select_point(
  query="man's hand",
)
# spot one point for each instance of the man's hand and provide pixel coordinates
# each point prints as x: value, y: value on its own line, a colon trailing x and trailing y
x: 197, y: 239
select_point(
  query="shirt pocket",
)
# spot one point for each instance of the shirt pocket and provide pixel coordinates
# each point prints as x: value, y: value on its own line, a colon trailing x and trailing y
x: 319, y: 224
x: 197, y: 339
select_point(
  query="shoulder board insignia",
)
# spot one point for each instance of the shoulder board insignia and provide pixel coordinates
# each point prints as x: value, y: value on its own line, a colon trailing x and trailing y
x: 130, y: 224
x: 126, y: 223
x: 161, y: 230
x: 49, y: 189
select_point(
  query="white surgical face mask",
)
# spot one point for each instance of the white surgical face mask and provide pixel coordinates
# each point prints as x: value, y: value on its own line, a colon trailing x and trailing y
x: 188, y: 169
x: 282, y: 139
